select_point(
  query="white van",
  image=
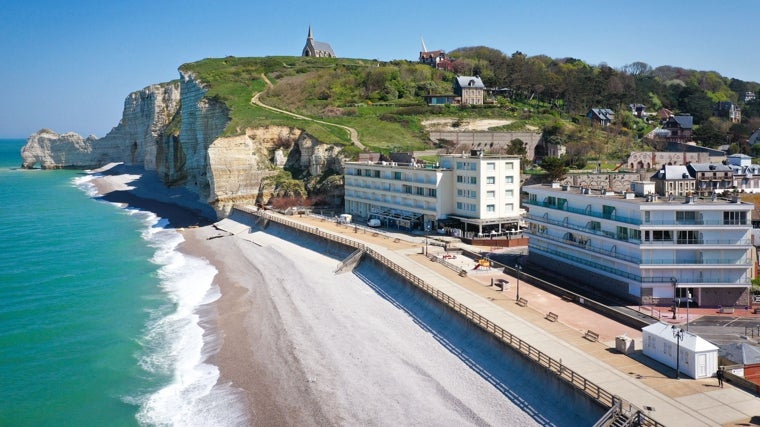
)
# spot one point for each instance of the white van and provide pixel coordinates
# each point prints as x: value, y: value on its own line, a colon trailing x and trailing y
x: 373, y: 222
x: 344, y: 219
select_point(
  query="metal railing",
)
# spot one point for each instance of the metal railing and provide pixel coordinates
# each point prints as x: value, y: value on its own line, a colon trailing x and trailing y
x: 567, y: 375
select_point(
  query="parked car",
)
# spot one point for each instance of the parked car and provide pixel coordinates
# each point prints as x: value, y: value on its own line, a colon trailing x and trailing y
x: 374, y: 222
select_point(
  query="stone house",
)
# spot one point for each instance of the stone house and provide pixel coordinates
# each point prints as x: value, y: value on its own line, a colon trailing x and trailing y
x: 469, y: 89
x: 601, y: 116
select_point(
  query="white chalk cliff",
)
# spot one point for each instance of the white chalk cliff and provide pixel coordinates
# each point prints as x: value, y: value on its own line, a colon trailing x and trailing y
x: 174, y: 129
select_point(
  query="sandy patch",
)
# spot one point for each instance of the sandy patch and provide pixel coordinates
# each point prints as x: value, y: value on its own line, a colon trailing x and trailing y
x: 464, y: 125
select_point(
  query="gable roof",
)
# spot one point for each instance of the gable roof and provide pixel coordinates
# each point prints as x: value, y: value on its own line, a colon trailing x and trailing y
x: 672, y: 172
x: 470, y: 81
x: 602, y: 113
x: 709, y: 167
x: 683, y: 121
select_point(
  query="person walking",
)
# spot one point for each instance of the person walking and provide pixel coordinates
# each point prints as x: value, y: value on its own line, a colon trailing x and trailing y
x: 719, y: 374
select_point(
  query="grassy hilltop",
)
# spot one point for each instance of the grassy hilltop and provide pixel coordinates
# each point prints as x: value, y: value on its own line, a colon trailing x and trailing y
x: 383, y: 101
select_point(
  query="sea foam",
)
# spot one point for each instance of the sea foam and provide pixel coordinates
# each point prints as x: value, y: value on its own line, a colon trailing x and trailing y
x: 174, y: 344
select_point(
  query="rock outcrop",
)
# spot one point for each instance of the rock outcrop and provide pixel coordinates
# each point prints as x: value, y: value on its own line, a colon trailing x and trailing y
x: 174, y: 129
x: 133, y: 141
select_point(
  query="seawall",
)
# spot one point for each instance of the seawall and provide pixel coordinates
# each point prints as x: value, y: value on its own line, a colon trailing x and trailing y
x: 548, y: 374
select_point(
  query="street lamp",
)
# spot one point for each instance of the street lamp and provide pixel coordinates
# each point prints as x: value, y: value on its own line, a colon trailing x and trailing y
x: 688, y: 300
x: 427, y: 231
x: 518, y: 267
x: 678, y: 335
x: 675, y: 304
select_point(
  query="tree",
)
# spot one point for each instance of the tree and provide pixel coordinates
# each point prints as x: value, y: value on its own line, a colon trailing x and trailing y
x: 555, y: 168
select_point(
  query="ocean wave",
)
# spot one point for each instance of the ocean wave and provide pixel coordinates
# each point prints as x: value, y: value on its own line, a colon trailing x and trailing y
x: 174, y: 345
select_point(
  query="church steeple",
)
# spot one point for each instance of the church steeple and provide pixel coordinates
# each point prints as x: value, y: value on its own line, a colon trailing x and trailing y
x: 309, y: 37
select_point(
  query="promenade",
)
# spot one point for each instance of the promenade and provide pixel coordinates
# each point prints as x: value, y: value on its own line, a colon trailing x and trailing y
x: 635, y: 378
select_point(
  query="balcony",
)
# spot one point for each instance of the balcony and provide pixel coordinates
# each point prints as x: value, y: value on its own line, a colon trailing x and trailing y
x: 583, y: 228
x: 587, y: 212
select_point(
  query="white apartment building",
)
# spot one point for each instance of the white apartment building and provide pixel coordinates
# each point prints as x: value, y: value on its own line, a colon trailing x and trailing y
x: 480, y: 191
x: 643, y: 247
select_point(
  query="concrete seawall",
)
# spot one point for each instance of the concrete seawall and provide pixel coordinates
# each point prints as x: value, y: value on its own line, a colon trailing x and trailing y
x: 493, y: 351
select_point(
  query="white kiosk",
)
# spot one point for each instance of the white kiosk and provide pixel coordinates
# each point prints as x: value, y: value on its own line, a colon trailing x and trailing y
x: 698, y: 357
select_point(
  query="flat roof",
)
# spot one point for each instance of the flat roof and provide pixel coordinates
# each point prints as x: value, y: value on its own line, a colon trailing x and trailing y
x: 631, y: 197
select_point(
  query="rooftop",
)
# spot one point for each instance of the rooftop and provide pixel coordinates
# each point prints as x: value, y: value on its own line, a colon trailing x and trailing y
x: 634, y: 198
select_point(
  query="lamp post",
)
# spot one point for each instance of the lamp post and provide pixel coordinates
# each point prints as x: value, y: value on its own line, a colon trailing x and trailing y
x: 678, y: 335
x: 688, y: 300
x: 427, y: 231
x: 518, y: 267
x: 675, y: 304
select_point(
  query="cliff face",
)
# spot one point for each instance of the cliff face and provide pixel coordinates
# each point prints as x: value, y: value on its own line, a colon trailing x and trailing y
x: 175, y: 129
x: 133, y: 141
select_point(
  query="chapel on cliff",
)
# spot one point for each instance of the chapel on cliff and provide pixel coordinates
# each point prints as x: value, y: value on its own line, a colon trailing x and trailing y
x: 318, y: 49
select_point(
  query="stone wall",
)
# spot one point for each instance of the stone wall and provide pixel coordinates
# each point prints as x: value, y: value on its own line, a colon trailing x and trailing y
x: 488, y: 141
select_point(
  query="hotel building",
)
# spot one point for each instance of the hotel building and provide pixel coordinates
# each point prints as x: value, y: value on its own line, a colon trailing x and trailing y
x: 643, y: 247
x: 481, y: 191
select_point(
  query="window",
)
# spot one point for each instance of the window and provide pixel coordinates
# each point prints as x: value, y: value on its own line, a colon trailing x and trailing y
x: 420, y: 191
x: 734, y: 218
x: 491, y: 180
x: 396, y: 175
x: 406, y: 189
x: 551, y: 201
x: 686, y: 217
x: 509, y: 179
x: 509, y: 166
x: 607, y: 211
x: 509, y: 207
x: 460, y: 192
x: 688, y: 237
x: 432, y: 192
x: 490, y: 166
x: 595, y: 225
x: 661, y: 236
x: 460, y: 205
x: 490, y: 194
x: 473, y: 180
x: 460, y: 179
x: 490, y: 208
x: 376, y: 174
x: 622, y: 233
x: 509, y: 194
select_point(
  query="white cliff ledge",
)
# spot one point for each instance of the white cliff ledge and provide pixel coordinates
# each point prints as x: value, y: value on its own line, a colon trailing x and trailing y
x: 174, y: 130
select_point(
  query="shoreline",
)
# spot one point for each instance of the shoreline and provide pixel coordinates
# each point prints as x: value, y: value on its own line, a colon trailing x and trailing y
x: 295, y: 344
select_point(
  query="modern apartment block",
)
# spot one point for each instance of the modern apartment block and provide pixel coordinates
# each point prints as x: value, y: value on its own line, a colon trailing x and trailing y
x: 643, y: 247
x: 481, y: 191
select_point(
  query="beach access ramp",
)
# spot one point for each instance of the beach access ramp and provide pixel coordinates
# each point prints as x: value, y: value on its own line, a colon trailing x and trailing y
x: 232, y: 227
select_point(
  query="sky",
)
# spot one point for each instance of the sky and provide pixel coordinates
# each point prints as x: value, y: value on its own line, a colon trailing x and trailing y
x: 69, y: 65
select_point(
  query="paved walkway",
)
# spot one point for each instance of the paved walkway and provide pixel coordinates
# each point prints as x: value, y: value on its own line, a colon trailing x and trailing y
x: 635, y: 378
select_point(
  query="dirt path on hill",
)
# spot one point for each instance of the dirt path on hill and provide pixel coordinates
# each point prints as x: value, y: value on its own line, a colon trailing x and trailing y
x: 351, y: 131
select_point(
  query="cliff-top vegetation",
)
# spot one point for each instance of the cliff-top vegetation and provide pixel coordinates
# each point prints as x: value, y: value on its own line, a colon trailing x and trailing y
x: 383, y: 101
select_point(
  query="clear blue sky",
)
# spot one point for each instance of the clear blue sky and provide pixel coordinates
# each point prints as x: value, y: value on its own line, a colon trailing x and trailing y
x: 69, y: 65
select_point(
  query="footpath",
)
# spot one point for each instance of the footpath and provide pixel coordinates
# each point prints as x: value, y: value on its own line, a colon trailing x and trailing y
x: 644, y: 383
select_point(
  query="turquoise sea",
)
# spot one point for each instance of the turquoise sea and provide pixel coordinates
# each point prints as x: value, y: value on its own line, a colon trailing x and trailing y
x: 93, y: 302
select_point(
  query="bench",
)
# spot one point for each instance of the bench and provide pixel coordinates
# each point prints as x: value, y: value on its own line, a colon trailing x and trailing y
x: 552, y: 317
x: 522, y: 302
x: 591, y: 336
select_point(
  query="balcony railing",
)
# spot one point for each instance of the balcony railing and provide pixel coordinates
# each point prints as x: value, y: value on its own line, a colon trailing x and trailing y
x: 603, y: 233
x: 590, y: 248
x: 587, y: 212
x: 546, y: 248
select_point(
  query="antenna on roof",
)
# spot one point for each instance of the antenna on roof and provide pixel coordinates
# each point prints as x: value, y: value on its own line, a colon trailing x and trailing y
x: 424, y: 48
